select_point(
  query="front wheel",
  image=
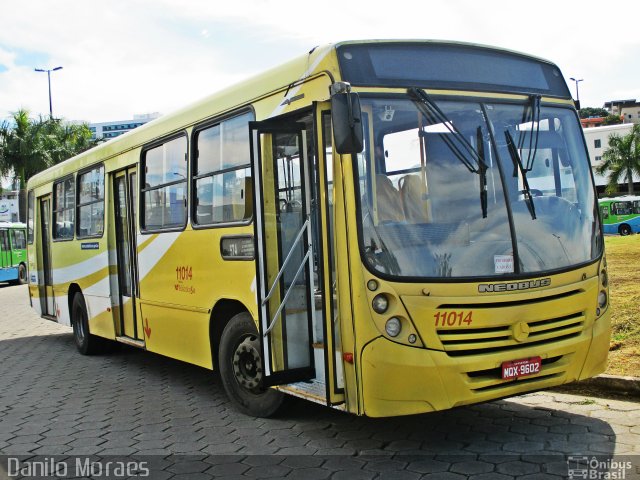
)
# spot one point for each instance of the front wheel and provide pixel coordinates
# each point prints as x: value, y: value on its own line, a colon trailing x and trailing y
x: 624, y: 230
x: 241, y: 369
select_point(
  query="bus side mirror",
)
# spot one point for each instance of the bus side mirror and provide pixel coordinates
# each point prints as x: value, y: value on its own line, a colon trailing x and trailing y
x: 346, y: 117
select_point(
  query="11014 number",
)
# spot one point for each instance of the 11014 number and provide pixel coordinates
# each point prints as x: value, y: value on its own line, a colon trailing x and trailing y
x: 453, y: 318
x: 184, y: 273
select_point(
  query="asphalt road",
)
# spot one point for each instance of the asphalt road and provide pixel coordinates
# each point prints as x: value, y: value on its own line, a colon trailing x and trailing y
x: 136, y: 414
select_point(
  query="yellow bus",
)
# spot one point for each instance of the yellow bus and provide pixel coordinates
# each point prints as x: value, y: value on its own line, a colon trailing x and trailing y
x: 383, y: 227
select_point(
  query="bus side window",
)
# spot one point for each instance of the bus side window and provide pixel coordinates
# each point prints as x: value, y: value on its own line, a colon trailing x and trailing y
x: 605, y: 212
x: 163, y: 198
x: 64, y: 198
x: 621, y: 208
x: 90, y: 208
x: 30, y: 212
x: 221, y: 173
x: 18, y: 239
x: 4, y: 243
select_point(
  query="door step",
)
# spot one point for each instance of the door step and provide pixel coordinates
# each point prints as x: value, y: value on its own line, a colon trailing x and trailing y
x: 131, y: 342
x: 313, y: 390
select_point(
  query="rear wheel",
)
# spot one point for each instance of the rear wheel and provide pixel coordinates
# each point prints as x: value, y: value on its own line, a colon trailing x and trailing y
x: 22, y: 274
x: 86, y: 343
x: 241, y: 369
x: 624, y: 230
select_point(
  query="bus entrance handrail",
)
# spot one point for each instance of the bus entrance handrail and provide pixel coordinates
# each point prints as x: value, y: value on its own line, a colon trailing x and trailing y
x: 305, y: 225
x: 273, y: 320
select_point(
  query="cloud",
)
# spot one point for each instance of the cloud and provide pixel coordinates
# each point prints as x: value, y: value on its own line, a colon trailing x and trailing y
x: 136, y: 56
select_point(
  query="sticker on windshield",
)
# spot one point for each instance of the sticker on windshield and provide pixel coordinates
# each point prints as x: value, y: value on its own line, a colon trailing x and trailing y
x: 503, y: 263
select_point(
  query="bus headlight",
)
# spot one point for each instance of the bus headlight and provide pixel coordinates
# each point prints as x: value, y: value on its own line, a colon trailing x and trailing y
x: 602, y: 299
x: 372, y: 285
x: 393, y: 327
x: 380, y: 303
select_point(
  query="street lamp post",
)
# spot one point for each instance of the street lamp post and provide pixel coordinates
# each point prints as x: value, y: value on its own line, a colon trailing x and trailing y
x: 49, y: 80
x: 577, y: 91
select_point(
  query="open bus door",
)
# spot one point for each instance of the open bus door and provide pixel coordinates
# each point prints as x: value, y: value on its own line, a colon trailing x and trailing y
x: 284, y: 251
x: 45, y: 277
x: 129, y: 326
x: 332, y: 341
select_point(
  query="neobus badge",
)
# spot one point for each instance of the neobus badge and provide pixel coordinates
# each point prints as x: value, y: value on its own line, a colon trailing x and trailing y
x: 508, y: 287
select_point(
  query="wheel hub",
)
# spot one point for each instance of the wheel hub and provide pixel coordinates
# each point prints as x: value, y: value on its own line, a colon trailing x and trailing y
x: 247, y: 364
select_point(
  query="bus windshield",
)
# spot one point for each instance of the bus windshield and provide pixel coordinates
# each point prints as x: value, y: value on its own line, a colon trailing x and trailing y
x: 478, y: 189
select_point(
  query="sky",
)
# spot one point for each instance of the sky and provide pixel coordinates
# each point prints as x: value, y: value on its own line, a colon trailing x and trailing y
x: 126, y: 57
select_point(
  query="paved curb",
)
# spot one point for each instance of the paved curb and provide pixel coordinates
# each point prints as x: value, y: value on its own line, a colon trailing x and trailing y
x: 608, y: 384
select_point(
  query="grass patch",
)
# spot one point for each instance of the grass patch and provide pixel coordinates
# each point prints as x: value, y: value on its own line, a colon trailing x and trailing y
x: 624, y: 290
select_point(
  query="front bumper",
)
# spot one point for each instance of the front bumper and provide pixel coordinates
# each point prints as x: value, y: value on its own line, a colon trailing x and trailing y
x: 402, y: 380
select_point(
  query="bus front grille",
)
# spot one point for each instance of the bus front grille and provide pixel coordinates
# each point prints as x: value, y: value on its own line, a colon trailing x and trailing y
x: 483, y: 340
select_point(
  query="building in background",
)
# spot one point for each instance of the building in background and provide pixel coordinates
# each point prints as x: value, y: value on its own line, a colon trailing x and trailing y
x: 108, y: 130
x: 597, y: 139
x: 628, y: 109
x: 592, y: 122
x: 9, y: 206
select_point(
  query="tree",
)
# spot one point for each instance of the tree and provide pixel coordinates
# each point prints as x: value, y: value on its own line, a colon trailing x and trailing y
x: 28, y: 146
x: 621, y: 160
x: 587, y: 112
x: 612, y: 120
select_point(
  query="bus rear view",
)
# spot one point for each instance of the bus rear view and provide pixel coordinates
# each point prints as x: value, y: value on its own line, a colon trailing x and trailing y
x: 478, y: 228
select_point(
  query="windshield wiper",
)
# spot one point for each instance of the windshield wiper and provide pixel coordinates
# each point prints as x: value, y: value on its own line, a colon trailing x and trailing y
x: 534, y: 132
x: 517, y: 167
x: 435, y: 116
x: 482, y: 172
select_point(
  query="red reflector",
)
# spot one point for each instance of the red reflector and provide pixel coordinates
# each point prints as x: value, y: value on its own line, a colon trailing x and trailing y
x: 348, y: 357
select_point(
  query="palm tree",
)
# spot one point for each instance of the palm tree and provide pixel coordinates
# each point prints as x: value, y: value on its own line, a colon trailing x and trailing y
x: 21, y: 148
x: 621, y: 160
x: 28, y: 146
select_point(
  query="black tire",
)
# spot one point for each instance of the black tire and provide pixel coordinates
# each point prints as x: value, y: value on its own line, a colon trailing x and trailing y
x: 22, y: 274
x: 624, y: 230
x: 86, y: 343
x: 241, y: 369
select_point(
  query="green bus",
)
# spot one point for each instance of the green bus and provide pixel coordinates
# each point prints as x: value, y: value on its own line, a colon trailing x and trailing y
x: 13, y: 252
x: 620, y: 215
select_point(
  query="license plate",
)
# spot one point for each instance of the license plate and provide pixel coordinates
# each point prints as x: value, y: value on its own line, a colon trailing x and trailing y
x: 521, y: 368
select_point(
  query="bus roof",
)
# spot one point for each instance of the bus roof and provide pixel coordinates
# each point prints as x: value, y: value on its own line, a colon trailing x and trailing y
x: 281, y: 78
x: 623, y: 198
x: 12, y: 225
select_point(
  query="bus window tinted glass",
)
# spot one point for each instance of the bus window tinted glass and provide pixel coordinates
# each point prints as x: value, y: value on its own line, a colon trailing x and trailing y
x: 63, y: 210
x: 30, y: 211
x: 166, y: 163
x: 18, y: 239
x: 164, y: 207
x: 222, y: 183
x: 91, y: 203
x: 165, y: 185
